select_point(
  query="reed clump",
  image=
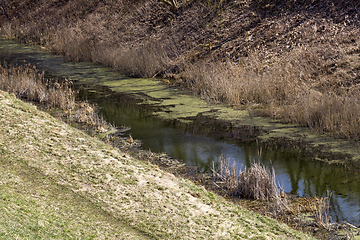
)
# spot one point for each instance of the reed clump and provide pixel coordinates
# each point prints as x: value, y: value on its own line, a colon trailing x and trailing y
x: 322, y: 213
x: 27, y: 83
x: 258, y: 182
x: 255, y: 182
x: 87, y: 114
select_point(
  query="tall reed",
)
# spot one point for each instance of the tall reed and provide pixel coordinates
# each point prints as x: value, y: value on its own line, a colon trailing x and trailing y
x: 27, y: 83
x: 258, y: 182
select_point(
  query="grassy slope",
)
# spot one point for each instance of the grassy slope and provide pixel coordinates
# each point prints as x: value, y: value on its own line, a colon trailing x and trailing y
x: 57, y: 182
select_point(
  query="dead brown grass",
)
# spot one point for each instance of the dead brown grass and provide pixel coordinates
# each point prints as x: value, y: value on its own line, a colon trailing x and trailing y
x: 88, y: 116
x: 256, y: 182
x: 149, y: 60
x: 294, y: 87
x: 27, y: 83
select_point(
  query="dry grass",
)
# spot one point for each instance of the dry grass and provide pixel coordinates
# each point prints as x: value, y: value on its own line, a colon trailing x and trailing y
x: 294, y: 88
x: 319, y: 207
x: 87, y: 115
x: 99, y: 38
x: 27, y: 83
x: 255, y: 182
x: 150, y: 60
x: 258, y: 183
x: 322, y: 214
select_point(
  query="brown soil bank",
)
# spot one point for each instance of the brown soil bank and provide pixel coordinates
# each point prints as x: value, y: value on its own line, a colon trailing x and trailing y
x: 295, y: 60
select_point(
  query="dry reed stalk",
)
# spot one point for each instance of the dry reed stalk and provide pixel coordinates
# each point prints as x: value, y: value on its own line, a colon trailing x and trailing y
x: 258, y: 183
x: 148, y: 60
x: 349, y: 230
x: 25, y: 82
x: 286, y: 88
x: 88, y: 114
x: 76, y: 43
x: 322, y: 214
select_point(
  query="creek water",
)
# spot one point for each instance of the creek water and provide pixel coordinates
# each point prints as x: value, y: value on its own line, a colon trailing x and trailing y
x: 294, y: 173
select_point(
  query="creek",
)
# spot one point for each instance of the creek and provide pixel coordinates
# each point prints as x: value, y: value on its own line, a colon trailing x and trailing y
x: 155, y: 111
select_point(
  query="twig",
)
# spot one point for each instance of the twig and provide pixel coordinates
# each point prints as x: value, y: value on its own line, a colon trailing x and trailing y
x: 350, y: 225
x: 4, y: 9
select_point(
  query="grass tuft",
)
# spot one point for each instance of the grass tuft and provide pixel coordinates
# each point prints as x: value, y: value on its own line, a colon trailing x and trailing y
x: 255, y: 182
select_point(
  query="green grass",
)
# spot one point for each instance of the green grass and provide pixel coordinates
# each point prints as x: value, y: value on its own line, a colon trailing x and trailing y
x: 58, y: 183
x: 33, y: 206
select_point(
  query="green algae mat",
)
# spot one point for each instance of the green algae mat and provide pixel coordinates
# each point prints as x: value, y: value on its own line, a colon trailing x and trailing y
x: 56, y: 182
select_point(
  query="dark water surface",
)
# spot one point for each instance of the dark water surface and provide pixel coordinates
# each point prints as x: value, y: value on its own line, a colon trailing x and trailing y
x: 293, y: 172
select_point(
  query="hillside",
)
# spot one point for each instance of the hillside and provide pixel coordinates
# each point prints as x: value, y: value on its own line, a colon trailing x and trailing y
x: 295, y: 60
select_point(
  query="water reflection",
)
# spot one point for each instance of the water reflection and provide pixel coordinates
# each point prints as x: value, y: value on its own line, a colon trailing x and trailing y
x: 294, y: 172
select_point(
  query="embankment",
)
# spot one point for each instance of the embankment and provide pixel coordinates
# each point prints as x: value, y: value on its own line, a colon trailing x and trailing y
x: 58, y: 182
